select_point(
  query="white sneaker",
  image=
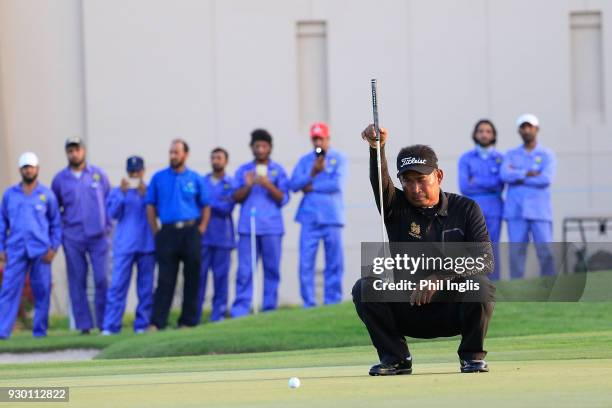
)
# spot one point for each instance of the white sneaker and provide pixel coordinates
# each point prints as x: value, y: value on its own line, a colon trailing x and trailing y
x: 106, y: 333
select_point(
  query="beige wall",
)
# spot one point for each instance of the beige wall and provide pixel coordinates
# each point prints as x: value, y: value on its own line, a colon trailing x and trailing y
x: 211, y: 71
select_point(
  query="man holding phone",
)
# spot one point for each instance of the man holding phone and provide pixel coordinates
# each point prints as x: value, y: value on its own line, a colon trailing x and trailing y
x: 133, y: 245
x: 320, y: 175
x: 262, y: 188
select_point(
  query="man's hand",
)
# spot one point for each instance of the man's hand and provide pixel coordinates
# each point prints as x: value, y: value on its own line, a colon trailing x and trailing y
x: 2, y: 257
x: 308, y: 188
x: 202, y: 228
x: 318, y: 166
x: 423, y: 296
x: 249, y: 178
x: 532, y: 173
x: 48, y: 257
x: 142, y: 188
x: 263, y: 181
x: 124, y: 185
x: 369, y: 135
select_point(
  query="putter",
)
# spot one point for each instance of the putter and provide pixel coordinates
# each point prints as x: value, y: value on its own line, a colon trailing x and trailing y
x: 378, y: 162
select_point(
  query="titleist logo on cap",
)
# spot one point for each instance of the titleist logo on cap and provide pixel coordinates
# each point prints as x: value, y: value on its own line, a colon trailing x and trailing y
x: 407, y: 161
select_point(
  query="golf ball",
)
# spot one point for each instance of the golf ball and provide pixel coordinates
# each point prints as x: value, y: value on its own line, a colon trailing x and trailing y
x: 294, y: 382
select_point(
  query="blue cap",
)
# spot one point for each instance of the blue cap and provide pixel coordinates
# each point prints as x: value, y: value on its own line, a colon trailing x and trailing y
x: 134, y: 164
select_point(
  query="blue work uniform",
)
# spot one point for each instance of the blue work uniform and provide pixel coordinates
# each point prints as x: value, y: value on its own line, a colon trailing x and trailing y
x: 217, y: 244
x: 85, y: 231
x: 480, y: 180
x: 133, y: 244
x: 30, y: 225
x: 321, y: 214
x: 528, y: 208
x: 269, y: 230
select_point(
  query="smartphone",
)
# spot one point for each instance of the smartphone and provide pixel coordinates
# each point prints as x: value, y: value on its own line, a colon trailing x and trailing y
x: 261, y: 170
x: 133, y: 182
x: 319, y: 152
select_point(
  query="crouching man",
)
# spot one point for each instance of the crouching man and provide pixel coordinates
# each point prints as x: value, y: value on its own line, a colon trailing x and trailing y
x: 422, y: 212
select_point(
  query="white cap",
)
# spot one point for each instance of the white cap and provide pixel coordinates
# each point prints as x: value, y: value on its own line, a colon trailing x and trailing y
x: 28, y: 159
x: 528, y: 118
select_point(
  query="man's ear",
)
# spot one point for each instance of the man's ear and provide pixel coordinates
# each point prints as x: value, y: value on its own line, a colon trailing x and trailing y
x: 439, y: 175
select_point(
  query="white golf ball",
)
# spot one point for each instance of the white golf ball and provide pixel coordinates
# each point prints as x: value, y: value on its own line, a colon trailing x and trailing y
x: 294, y: 382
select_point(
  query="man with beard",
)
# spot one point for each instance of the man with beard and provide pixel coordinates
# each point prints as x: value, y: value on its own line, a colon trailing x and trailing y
x: 529, y: 171
x: 82, y: 190
x: 178, y: 196
x: 30, y: 234
x: 480, y: 180
x: 262, y: 188
x: 218, y: 241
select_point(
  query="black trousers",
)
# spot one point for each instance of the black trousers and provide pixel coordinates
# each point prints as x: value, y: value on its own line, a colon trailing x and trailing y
x: 389, y: 322
x: 173, y: 246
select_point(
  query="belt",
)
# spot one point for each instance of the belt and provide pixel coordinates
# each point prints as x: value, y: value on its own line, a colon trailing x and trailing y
x: 180, y: 224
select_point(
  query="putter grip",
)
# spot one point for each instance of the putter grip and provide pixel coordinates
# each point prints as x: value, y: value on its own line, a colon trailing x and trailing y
x: 375, y: 108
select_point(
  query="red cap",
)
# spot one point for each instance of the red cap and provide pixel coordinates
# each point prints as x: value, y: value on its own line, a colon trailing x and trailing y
x: 319, y: 129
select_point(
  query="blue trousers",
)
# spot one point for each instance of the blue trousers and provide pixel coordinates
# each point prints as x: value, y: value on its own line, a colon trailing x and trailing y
x: 17, y: 266
x: 268, y: 248
x: 310, y: 237
x: 519, y: 231
x: 76, y: 265
x: 494, y: 225
x: 217, y: 259
x: 116, y: 298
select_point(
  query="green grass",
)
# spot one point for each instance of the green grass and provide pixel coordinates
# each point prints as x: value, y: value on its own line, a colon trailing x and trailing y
x: 585, y: 287
x: 325, y: 327
x: 560, y: 370
x: 339, y: 326
x: 540, y: 354
x: 296, y: 329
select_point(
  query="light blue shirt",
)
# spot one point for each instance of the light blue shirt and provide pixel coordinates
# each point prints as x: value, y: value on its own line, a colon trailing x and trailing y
x: 480, y: 180
x: 268, y: 212
x: 30, y: 221
x: 82, y: 201
x: 324, y: 205
x: 177, y: 196
x: 133, y: 233
x: 528, y: 197
x: 220, y: 231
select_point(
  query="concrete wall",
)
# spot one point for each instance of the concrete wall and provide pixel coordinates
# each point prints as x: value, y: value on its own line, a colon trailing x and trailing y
x: 131, y: 75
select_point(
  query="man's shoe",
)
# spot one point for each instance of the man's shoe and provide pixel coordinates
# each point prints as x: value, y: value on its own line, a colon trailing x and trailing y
x: 85, y: 332
x: 474, y: 366
x: 404, y: 367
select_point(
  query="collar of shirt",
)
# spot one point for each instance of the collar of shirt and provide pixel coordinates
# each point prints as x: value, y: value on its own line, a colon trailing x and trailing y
x: 491, y: 153
x: 17, y: 188
x: 86, y: 169
x: 272, y: 165
x: 442, y: 206
x: 210, y: 178
x: 537, y: 149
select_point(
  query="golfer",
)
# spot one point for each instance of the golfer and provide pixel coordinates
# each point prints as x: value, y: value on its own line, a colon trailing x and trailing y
x: 422, y: 212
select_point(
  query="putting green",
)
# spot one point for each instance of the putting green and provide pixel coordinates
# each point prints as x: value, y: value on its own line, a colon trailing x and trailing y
x: 560, y: 370
x: 568, y: 383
